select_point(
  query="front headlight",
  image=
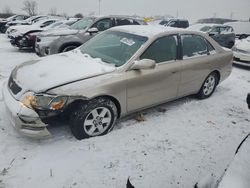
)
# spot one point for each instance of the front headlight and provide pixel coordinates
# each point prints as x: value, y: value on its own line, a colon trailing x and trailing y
x: 43, y: 101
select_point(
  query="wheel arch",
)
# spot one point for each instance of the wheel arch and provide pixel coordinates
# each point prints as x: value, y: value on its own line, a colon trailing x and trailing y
x: 114, y: 100
x: 74, y: 104
x: 218, y: 75
x: 68, y: 44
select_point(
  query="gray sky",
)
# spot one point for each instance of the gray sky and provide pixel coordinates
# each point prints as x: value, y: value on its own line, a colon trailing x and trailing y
x: 190, y: 9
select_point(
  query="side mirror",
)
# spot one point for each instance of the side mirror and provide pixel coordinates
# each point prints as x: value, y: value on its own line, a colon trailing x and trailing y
x: 143, y: 64
x: 93, y: 30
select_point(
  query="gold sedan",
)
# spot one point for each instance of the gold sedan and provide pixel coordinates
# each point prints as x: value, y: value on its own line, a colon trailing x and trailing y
x: 120, y: 71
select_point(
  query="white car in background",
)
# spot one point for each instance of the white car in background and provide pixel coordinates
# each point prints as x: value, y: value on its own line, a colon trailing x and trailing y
x: 241, y: 52
x: 241, y: 29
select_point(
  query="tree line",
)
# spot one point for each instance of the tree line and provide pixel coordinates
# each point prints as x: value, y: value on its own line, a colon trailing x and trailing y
x: 31, y: 8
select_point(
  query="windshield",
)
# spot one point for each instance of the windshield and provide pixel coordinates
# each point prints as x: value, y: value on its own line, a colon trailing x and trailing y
x: 82, y: 24
x: 113, y: 47
x: 10, y: 18
x: 205, y: 28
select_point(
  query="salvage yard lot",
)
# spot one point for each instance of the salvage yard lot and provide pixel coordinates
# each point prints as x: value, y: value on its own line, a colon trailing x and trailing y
x: 177, y: 144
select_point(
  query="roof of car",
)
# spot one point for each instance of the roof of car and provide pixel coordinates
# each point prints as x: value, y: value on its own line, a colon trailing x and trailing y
x: 146, y: 30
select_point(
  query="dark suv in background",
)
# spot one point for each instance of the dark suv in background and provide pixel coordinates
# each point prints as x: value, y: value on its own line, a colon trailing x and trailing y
x: 223, y: 34
x: 175, y: 22
x: 57, y: 41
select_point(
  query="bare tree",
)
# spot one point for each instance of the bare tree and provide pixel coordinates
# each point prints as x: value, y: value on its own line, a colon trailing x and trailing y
x: 7, y: 10
x: 30, y: 7
x: 53, y: 11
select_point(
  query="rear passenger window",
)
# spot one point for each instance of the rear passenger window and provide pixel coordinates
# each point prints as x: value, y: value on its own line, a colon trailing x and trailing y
x: 120, y: 21
x: 211, y: 49
x: 193, y: 46
x: 161, y: 50
x: 103, y: 24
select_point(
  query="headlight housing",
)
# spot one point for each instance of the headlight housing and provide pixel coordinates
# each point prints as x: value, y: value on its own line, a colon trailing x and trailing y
x: 43, y: 101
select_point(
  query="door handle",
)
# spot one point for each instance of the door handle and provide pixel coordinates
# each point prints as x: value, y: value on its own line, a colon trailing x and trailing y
x: 173, y: 72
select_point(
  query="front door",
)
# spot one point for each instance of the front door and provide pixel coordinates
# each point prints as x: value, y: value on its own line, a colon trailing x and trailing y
x: 154, y: 86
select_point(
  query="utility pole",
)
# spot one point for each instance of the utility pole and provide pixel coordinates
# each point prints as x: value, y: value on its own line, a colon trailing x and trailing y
x: 231, y: 15
x: 99, y: 7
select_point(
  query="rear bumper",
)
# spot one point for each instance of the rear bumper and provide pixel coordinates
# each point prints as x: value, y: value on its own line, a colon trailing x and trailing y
x: 25, y: 120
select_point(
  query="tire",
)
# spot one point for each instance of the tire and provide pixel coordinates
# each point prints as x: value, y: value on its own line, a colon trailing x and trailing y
x: 208, y: 86
x: 88, y: 119
x: 69, y: 48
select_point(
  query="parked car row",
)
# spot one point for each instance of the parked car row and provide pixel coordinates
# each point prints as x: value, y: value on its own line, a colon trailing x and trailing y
x: 57, y: 41
x: 223, y: 34
x: 3, y: 22
x: 226, y: 37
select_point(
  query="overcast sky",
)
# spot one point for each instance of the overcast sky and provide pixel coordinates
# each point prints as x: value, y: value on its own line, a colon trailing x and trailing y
x: 190, y: 9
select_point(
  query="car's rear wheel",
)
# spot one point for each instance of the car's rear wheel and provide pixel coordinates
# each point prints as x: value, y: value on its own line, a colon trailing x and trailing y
x: 94, y: 118
x: 208, y: 86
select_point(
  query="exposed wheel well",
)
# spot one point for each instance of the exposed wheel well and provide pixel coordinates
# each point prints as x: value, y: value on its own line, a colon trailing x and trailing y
x: 115, y: 101
x: 218, y: 74
x: 69, y: 44
x: 79, y: 102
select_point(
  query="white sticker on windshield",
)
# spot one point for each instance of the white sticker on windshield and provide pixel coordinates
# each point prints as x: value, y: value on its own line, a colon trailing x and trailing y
x: 129, y: 42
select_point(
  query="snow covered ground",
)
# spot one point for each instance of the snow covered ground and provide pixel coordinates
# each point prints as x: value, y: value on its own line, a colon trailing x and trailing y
x: 179, y: 143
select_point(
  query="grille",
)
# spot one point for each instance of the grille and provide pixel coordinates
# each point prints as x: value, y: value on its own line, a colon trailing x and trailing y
x: 13, y: 86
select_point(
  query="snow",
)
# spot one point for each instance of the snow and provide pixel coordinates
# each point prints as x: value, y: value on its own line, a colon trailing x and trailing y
x: 22, y: 29
x: 198, y: 27
x: 240, y: 27
x: 243, y: 44
x: 178, y: 144
x: 58, y: 32
x: 237, y: 175
x: 145, y: 30
x: 50, y: 71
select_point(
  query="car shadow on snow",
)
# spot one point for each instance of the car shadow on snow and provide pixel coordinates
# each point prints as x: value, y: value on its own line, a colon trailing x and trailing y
x: 60, y: 129
x: 241, y: 66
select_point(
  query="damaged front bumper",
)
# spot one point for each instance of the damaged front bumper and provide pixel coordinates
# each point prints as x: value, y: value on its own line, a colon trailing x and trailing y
x: 24, y: 119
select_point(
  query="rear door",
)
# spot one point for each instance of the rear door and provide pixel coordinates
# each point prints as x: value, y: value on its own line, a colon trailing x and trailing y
x: 195, y: 65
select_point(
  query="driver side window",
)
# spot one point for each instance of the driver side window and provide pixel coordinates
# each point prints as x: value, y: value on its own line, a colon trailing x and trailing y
x: 103, y: 24
x: 161, y: 50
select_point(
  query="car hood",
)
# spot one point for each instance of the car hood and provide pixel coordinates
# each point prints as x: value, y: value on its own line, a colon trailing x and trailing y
x: 59, y: 32
x: 243, y: 44
x: 22, y: 29
x: 52, y: 71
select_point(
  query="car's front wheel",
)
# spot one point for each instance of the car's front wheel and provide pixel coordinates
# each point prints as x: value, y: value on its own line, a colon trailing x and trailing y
x: 94, y: 118
x: 208, y: 86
